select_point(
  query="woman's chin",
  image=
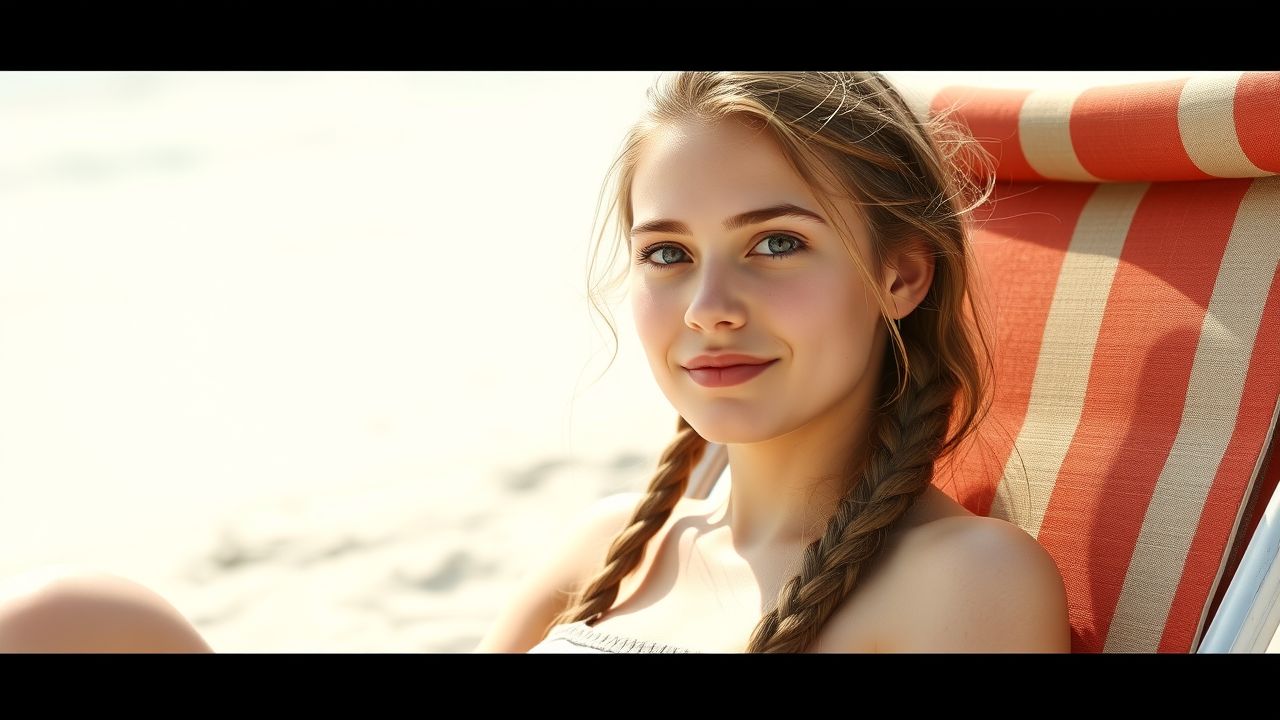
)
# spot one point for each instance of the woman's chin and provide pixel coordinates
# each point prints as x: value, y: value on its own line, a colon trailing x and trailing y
x: 728, y: 433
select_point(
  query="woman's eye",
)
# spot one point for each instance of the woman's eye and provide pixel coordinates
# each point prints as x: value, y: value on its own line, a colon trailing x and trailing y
x: 781, y: 245
x: 667, y: 255
x: 778, y: 245
x: 659, y: 255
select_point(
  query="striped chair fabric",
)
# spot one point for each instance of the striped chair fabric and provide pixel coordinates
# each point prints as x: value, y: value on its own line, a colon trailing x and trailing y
x: 1128, y: 269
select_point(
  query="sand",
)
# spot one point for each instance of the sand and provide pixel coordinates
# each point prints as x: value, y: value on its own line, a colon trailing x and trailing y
x: 310, y: 354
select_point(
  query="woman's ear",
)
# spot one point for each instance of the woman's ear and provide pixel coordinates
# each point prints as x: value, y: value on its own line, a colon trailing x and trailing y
x: 908, y: 276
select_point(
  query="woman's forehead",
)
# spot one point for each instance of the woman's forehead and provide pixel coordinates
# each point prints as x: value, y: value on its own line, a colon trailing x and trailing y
x: 701, y: 174
x: 713, y: 170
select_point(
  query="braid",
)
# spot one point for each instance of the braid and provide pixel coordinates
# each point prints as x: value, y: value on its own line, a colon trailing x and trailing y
x: 899, y: 468
x: 626, y: 552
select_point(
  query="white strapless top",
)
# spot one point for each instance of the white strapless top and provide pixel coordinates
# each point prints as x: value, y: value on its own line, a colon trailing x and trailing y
x: 577, y: 637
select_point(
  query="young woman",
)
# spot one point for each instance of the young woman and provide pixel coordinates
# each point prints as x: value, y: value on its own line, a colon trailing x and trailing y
x: 799, y: 265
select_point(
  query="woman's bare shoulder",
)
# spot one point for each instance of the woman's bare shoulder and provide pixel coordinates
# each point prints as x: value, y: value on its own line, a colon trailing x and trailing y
x: 980, y: 584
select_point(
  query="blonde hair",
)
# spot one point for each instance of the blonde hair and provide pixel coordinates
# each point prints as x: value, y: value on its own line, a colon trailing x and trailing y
x: 909, y: 178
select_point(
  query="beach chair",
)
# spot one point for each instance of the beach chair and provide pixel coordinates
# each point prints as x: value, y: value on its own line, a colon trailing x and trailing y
x: 1128, y: 262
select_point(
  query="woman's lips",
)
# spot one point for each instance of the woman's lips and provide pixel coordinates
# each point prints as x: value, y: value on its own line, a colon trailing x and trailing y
x: 726, y: 376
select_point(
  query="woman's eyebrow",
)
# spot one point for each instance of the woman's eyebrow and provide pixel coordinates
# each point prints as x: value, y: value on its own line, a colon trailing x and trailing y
x: 751, y: 217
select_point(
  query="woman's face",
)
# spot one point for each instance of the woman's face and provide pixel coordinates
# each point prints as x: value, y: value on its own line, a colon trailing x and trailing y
x: 782, y: 289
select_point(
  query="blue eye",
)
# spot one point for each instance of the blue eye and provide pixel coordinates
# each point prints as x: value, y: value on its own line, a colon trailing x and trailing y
x: 796, y: 244
x: 661, y: 251
x: 790, y: 245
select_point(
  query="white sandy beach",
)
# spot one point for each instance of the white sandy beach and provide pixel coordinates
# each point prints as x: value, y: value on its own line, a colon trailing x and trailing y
x: 309, y: 354
x: 301, y: 351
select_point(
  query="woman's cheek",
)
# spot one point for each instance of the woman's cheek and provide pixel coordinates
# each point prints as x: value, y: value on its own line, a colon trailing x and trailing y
x: 803, y: 309
x: 652, y: 318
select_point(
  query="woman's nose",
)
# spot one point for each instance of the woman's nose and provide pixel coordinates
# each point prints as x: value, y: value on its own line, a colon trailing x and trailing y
x: 715, y: 304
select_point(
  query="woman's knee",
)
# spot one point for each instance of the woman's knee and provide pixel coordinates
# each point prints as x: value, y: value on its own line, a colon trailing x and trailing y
x: 74, y: 609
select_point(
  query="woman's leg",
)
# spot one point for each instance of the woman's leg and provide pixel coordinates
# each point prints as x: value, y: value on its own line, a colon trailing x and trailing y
x: 84, y: 611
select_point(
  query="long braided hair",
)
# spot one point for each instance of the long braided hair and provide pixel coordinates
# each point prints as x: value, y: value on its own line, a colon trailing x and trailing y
x: 910, y: 178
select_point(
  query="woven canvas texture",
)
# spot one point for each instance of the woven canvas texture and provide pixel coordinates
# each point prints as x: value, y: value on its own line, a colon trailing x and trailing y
x: 1136, y: 318
x: 1221, y: 125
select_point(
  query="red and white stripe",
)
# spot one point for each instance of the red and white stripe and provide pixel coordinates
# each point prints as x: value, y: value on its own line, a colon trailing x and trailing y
x: 1204, y: 126
x: 1136, y: 312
